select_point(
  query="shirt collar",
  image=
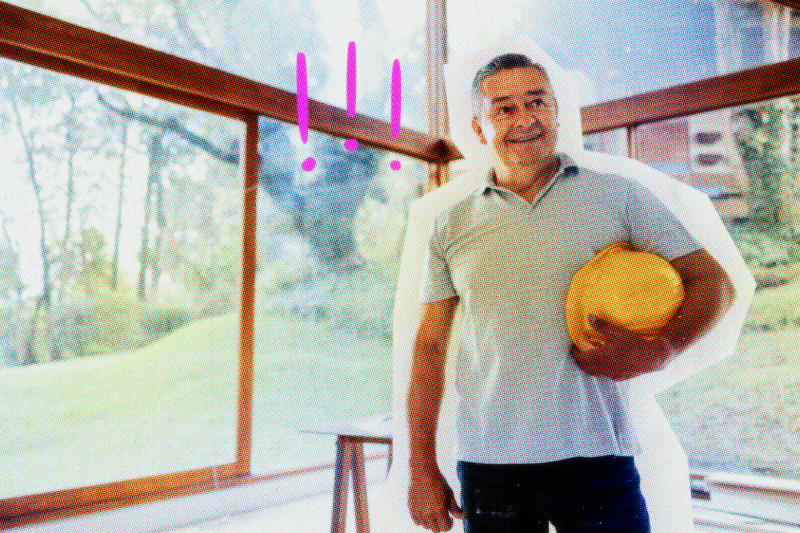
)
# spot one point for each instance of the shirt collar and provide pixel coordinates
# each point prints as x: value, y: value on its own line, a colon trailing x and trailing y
x: 566, y: 167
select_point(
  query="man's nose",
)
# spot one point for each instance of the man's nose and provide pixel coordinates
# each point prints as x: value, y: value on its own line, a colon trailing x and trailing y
x: 525, y: 117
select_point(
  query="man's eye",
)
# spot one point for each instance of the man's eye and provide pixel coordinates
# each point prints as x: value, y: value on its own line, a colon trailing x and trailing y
x: 503, y: 110
x: 536, y: 102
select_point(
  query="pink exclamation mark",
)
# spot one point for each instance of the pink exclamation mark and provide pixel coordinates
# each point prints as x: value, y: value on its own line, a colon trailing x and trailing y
x: 302, y: 108
x: 396, y: 103
x: 351, y: 144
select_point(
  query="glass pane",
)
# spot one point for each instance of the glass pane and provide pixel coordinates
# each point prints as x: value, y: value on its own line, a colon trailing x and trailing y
x: 260, y: 41
x: 119, y: 256
x: 614, y: 142
x: 619, y: 49
x: 329, y: 251
x: 742, y: 414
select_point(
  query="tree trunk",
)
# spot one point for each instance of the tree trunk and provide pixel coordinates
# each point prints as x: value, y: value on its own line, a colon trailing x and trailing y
x: 120, y: 198
x: 160, y: 224
x: 156, y: 155
x: 30, y: 355
x: 30, y: 352
x: 15, y: 287
x: 71, y: 147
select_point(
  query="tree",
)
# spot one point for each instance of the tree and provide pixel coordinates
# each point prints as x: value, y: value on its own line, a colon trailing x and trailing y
x: 323, y: 211
x: 80, y: 155
x: 154, y: 194
x: 761, y: 139
x: 327, y: 228
x: 29, y: 355
x: 57, y: 136
x: 761, y: 131
x: 114, y: 274
x: 11, y: 288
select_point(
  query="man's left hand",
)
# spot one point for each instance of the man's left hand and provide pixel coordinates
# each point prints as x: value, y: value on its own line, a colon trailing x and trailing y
x: 624, y: 355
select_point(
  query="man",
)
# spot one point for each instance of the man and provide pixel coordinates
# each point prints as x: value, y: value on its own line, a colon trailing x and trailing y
x: 543, y: 429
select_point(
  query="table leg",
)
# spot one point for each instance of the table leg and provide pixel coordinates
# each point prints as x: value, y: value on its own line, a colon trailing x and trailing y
x: 344, y: 462
x: 360, y: 489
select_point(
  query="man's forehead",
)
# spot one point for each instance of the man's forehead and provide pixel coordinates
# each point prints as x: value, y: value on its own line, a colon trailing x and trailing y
x: 509, y: 95
x: 517, y: 81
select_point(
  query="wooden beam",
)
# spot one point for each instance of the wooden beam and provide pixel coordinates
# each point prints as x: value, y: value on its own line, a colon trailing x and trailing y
x: 435, y: 58
x: 92, y: 55
x: 183, y: 490
x: 249, y: 169
x: 117, y: 492
x: 794, y: 4
x: 633, y: 142
x: 63, y: 66
x: 730, y: 90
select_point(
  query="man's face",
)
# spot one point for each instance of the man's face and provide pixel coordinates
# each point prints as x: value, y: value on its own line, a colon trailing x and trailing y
x: 519, y: 118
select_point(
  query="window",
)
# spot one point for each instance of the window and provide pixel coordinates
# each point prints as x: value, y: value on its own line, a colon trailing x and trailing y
x: 121, y: 220
x: 119, y: 339
x: 329, y: 254
x: 742, y: 414
x: 328, y: 241
x: 252, y: 38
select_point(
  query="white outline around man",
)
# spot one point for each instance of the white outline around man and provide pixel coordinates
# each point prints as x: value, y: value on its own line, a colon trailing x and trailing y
x: 662, y: 472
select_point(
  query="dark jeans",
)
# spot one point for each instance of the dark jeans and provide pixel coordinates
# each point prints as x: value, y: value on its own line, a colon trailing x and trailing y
x: 580, y: 495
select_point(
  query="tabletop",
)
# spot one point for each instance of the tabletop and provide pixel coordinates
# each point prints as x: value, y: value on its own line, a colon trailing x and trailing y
x: 372, y: 428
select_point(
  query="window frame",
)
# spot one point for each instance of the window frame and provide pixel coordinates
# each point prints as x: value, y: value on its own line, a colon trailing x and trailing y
x: 83, y: 53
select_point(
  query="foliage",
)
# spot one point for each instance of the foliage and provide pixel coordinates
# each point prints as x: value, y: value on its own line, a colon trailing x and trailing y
x: 80, y: 153
x: 159, y: 321
x: 761, y: 250
x: 762, y: 141
x: 332, y: 201
x: 355, y: 302
x: 94, y: 326
x: 323, y: 206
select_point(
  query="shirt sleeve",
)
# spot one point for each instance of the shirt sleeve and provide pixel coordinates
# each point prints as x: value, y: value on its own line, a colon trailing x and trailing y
x: 437, y: 284
x: 654, y: 228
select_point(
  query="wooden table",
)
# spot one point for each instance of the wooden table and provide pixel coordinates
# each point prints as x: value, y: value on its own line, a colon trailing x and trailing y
x: 350, y: 438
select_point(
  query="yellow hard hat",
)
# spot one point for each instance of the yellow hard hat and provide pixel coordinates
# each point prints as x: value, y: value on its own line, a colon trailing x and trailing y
x: 636, y: 290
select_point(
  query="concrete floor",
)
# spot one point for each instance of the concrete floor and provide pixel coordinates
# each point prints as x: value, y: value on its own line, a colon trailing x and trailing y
x: 306, y: 515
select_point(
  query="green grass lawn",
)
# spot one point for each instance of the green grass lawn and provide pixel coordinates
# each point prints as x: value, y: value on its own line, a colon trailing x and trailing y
x: 746, y: 409
x: 171, y: 406
x: 308, y: 374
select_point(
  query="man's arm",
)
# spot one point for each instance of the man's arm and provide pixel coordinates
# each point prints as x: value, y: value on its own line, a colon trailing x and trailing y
x: 709, y: 294
x: 430, y: 499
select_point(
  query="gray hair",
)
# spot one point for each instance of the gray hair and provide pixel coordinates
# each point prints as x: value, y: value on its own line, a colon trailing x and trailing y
x: 502, y: 62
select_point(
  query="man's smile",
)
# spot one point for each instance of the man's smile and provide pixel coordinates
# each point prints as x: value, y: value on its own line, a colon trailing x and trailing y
x: 527, y: 138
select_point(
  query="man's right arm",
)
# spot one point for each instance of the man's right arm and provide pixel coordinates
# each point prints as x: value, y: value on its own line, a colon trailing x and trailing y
x: 430, y: 499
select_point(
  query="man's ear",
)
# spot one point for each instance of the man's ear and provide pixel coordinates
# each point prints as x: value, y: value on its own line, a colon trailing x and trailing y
x: 476, y: 127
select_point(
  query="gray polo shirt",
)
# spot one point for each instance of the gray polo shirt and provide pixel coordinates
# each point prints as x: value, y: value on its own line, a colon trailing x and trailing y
x: 522, y: 397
